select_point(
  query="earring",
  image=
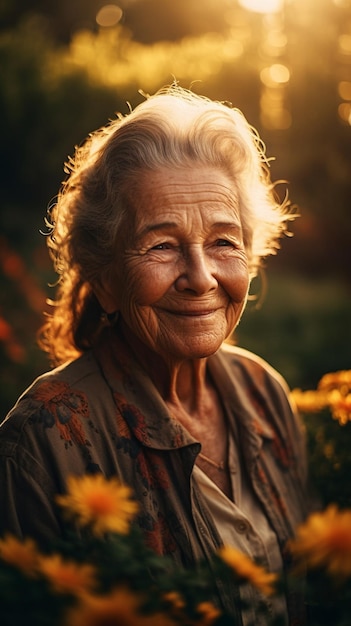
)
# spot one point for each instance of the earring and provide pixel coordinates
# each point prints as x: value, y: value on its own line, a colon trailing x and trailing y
x: 109, y: 319
x: 112, y: 318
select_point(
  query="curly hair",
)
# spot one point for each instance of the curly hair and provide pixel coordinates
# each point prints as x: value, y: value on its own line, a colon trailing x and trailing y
x: 173, y: 128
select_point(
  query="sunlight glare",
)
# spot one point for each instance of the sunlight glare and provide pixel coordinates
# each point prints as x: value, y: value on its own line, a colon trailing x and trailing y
x: 262, y: 6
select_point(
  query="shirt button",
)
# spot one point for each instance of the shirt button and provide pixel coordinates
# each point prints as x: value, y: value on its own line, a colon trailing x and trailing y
x: 241, y: 527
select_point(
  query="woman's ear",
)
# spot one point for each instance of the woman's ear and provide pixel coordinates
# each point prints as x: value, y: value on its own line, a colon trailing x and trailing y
x: 105, y: 296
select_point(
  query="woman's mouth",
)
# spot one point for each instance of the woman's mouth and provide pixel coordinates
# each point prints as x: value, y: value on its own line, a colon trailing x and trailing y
x: 193, y: 312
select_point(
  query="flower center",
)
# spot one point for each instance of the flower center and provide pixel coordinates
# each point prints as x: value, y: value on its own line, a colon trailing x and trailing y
x: 100, y: 504
x: 340, y: 539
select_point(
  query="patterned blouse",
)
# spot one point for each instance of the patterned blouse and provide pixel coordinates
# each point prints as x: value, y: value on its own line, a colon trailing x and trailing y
x: 102, y: 413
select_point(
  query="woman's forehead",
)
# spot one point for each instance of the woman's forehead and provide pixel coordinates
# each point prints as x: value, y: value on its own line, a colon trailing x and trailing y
x: 168, y: 199
x: 181, y: 185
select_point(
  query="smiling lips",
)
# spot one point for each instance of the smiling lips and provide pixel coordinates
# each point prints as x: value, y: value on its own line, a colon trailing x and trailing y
x: 193, y: 313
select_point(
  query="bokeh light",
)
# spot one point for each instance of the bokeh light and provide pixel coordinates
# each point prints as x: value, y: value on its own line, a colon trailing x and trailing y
x: 109, y: 15
x: 344, y: 111
x: 275, y: 43
x: 275, y: 75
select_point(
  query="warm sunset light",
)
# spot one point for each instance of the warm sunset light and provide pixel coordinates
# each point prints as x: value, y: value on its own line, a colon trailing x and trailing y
x: 262, y: 6
x: 72, y: 76
x: 345, y: 43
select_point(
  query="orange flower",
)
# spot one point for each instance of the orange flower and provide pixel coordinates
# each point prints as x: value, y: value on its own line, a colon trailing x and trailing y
x: 209, y: 613
x: 121, y: 607
x: 105, y: 505
x: 67, y: 576
x: 247, y: 571
x: 174, y: 599
x: 21, y: 554
x: 324, y: 542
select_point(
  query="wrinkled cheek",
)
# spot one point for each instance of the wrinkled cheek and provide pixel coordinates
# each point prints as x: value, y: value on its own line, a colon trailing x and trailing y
x: 234, y: 313
x: 136, y: 301
x: 238, y: 288
x: 238, y: 295
x: 134, y: 293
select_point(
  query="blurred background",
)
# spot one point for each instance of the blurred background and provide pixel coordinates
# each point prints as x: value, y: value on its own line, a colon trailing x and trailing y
x: 68, y: 67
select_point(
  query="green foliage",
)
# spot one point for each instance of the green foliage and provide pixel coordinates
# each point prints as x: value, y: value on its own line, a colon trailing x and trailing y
x: 301, y: 327
x: 330, y: 459
x: 126, y: 581
x: 120, y: 562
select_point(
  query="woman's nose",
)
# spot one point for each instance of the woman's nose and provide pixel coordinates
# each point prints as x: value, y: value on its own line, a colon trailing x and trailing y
x: 196, y: 272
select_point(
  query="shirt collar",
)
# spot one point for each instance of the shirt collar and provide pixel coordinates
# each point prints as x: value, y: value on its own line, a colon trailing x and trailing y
x: 136, y: 397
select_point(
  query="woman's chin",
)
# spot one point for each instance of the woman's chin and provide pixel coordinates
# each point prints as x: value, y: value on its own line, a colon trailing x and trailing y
x: 195, y: 348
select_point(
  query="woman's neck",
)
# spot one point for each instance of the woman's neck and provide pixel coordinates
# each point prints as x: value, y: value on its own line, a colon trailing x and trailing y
x: 181, y: 383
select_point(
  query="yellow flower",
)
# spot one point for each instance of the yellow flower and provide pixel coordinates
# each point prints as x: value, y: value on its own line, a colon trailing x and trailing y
x: 247, y: 570
x: 67, y: 576
x: 21, y: 554
x: 324, y: 542
x: 121, y: 607
x: 310, y: 401
x: 341, y: 379
x: 104, y: 504
x: 340, y: 406
x: 333, y: 391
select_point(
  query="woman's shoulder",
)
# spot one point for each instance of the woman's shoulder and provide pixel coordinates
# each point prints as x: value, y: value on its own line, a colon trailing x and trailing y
x: 53, y: 422
x: 59, y: 391
x: 254, y: 366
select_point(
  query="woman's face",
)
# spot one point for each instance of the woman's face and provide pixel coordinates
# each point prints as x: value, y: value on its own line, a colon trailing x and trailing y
x: 181, y: 281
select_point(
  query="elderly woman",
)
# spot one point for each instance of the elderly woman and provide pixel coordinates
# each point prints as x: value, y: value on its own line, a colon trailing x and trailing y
x: 162, y: 223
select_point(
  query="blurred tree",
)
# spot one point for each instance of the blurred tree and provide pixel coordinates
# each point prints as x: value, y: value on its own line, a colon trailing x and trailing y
x: 46, y: 113
x: 174, y: 19
x: 61, y: 19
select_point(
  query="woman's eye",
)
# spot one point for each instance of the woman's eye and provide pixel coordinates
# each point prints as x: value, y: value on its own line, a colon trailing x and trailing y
x: 223, y: 243
x: 161, y: 246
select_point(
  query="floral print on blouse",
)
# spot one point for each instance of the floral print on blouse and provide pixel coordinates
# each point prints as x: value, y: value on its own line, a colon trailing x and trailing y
x: 102, y: 413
